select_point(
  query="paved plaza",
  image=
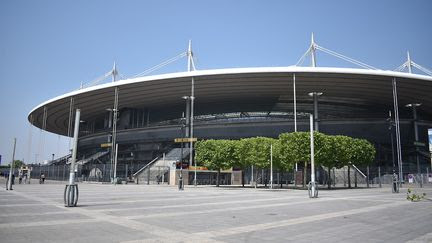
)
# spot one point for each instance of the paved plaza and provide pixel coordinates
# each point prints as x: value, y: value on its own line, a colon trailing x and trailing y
x: 160, y: 213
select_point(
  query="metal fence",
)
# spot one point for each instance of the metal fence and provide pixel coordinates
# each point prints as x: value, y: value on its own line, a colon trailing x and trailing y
x: 372, y: 176
x: 87, y: 172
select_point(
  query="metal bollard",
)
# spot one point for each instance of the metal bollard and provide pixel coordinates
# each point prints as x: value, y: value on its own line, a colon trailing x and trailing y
x: 312, y: 190
x: 379, y: 176
x: 71, y: 195
x: 367, y: 178
x: 180, y: 184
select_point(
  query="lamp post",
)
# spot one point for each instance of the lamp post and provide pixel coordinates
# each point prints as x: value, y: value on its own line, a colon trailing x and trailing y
x: 191, y: 157
x: 180, y: 181
x: 189, y: 131
x: 315, y: 96
x: 11, y: 171
x: 395, y: 181
x: 312, y: 188
x: 271, y: 166
x: 113, y: 153
x: 416, y: 140
x: 114, y: 127
x: 71, y: 190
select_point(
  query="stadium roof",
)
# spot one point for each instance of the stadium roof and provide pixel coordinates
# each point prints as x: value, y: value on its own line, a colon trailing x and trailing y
x: 228, y: 89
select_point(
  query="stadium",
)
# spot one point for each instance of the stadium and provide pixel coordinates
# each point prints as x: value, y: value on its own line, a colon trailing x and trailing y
x: 144, y: 115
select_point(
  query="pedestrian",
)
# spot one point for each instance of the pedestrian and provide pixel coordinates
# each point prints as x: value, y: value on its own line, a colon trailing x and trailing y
x: 42, y: 178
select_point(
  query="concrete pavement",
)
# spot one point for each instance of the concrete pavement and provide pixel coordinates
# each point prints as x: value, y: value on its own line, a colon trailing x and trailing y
x: 152, y: 213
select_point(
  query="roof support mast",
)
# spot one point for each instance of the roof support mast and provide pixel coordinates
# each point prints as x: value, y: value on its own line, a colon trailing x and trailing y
x: 312, y: 49
x: 114, y: 73
x: 191, y: 67
x: 409, y: 63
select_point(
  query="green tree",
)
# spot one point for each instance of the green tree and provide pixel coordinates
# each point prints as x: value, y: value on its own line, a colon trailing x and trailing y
x: 295, y: 148
x: 216, y: 155
x: 241, y: 149
x: 362, y: 152
x: 325, y: 152
x: 18, y: 163
x: 255, y: 151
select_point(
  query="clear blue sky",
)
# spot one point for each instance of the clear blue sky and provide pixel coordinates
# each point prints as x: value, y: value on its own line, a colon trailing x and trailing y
x: 48, y: 47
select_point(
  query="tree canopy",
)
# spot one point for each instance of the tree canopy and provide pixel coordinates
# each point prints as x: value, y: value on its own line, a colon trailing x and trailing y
x: 288, y: 149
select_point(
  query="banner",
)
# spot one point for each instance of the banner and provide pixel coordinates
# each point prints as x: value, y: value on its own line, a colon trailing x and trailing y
x: 430, y: 139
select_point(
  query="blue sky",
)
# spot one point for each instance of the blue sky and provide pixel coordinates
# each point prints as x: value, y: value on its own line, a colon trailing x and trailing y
x: 48, y: 47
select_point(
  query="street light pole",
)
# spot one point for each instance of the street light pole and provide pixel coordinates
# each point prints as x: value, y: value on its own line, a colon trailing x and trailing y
x: 271, y: 166
x: 71, y: 190
x: 313, y: 192
x: 115, y: 164
x: 391, y: 124
x: 114, y: 131
x: 180, y: 182
x: 11, y: 170
x: 191, y: 66
x: 416, y: 140
x: 295, y: 118
x: 398, y: 142
x: 315, y: 96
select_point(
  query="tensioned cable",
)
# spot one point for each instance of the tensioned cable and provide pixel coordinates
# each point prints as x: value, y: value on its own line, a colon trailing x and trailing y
x: 301, y: 60
x: 402, y: 67
x: 97, y: 80
x: 335, y: 54
x: 427, y: 71
x: 154, y: 68
x: 348, y: 59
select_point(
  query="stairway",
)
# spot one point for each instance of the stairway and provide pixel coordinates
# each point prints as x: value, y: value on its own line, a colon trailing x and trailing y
x: 91, y: 158
x: 157, y: 170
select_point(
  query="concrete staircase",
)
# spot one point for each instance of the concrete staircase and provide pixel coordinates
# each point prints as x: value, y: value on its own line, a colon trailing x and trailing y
x: 88, y: 159
x: 157, y: 170
x: 340, y: 176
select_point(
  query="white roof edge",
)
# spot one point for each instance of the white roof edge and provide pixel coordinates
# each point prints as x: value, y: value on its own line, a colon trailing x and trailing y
x: 209, y: 72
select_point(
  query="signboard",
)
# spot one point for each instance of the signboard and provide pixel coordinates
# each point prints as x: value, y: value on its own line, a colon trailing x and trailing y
x: 106, y: 145
x: 430, y: 139
x: 410, y: 178
x: 185, y: 140
x: 419, y: 144
x: 197, y: 168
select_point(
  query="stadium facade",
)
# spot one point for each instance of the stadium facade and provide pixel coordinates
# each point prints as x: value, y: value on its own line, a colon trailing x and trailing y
x: 144, y: 115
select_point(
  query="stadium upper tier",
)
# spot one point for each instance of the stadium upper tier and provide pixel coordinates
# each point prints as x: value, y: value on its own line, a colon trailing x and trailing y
x: 348, y: 93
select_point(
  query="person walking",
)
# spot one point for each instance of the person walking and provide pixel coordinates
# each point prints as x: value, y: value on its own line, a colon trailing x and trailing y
x: 42, y: 179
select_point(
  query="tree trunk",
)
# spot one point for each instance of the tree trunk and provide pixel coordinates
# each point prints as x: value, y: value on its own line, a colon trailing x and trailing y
x: 256, y: 178
x: 329, y: 178
x: 349, y: 177
x: 243, y: 176
x: 305, y: 174
x: 280, y: 179
x: 217, y: 178
x: 265, y: 178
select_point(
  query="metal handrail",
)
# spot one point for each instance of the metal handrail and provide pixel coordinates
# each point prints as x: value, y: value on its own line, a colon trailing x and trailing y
x: 145, y: 166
